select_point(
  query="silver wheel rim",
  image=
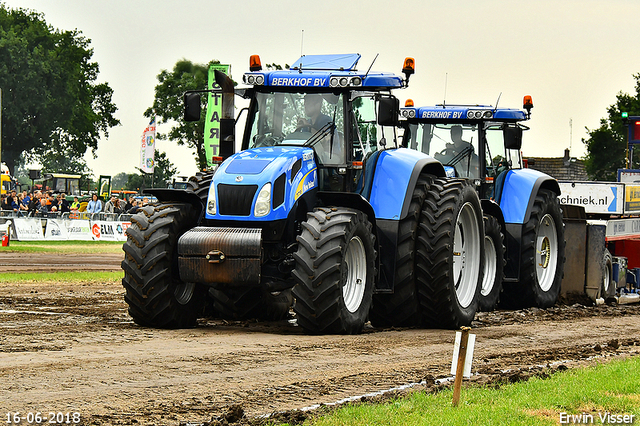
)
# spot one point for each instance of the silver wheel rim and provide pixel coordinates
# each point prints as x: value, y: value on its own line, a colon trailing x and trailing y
x: 546, y: 252
x: 356, y: 274
x: 466, y: 255
x: 184, y: 292
x: 607, y: 278
x: 490, y: 266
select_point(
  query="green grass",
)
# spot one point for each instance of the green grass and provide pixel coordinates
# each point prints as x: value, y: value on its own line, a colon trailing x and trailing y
x: 61, y: 276
x: 613, y: 387
x: 74, y: 247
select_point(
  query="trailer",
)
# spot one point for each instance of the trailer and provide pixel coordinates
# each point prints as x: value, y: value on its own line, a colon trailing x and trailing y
x: 602, y: 220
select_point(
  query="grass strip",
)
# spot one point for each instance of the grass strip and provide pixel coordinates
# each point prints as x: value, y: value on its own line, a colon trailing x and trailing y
x: 75, y: 247
x: 595, y: 393
x: 61, y: 276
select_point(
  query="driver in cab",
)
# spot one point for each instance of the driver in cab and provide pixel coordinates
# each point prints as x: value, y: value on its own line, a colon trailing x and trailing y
x: 459, y: 151
x: 313, y: 109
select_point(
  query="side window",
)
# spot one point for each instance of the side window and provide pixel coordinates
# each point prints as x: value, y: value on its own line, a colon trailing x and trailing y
x: 495, y: 159
x: 365, y: 129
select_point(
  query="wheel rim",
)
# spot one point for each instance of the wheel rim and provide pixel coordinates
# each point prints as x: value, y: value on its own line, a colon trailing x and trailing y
x: 355, y: 275
x: 184, y: 292
x: 607, y: 278
x: 490, y: 266
x: 466, y: 255
x: 546, y: 252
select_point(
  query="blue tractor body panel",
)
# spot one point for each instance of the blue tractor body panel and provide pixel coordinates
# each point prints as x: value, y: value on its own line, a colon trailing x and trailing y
x: 519, y: 188
x: 291, y: 171
x: 395, y: 176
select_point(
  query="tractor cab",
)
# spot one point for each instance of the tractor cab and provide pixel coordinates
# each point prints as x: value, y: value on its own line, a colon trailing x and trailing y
x: 322, y: 102
x: 476, y: 142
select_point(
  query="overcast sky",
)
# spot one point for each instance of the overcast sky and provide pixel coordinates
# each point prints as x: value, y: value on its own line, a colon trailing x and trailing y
x: 571, y: 56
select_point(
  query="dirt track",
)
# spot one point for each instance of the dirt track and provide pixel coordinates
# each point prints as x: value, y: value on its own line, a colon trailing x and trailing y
x: 67, y: 348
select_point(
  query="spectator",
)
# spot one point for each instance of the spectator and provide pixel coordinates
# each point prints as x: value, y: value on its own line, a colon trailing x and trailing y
x: 75, y: 206
x: 95, y: 205
x: 34, y: 204
x: 145, y: 201
x: 12, y: 201
x: 26, y: 198
x: 134, y: 209
x: 109, y: 206
x: 129, y: 204
x: 3, y: 204
x: 22, y: 207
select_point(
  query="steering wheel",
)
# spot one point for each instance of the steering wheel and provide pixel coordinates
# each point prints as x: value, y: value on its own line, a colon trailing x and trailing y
x: 266, y: 140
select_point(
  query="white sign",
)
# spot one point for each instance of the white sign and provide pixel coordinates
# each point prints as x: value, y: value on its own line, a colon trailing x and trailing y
x: 471, y: 342
x: 103, y: 230
x: 27, y: 229
x: 79, y: 230
x: 56, y: 229
x: 595, y: 197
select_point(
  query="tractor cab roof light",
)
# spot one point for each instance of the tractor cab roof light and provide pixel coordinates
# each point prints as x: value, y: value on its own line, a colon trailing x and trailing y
x: 408, y: 68
x: 408, y: 103
x: 254, y: 63
x: 527, y: 103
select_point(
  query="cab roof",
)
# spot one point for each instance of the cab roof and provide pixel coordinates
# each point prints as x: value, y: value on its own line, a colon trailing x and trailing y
x: 325, y: 71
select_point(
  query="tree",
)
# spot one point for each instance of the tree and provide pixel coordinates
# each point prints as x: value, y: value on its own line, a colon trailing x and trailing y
x: 606, y: 145
x: 167, y: 105
x: 50, y: 99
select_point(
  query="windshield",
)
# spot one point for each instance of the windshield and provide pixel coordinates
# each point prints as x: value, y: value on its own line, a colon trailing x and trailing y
x: 454, y: 145
x: 310, y: 119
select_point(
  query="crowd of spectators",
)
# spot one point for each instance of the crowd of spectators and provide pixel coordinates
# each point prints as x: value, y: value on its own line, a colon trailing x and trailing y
x: 28, y: 204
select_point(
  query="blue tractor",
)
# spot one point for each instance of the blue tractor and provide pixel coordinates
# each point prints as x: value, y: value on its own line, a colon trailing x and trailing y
x: 524, y: 231
x: 322, y: 205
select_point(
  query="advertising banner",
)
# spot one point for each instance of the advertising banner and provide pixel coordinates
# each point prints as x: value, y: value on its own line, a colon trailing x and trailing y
x: 79, y: 230
x: 214, y: 110
x: 56, y: 229
x: 595, y: 197
x: 632, y: 199
x: 148, y: 147
x: 103, y: 230
x: 27, y: 229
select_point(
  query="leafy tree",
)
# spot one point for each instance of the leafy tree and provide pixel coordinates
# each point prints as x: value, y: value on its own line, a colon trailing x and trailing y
x: 606, y: 145
x: 168, y: 106
x: 50, y: 99
x: 119, y: 181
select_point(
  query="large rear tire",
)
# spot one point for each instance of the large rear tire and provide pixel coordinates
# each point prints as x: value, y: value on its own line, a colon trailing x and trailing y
x: 335, y: 271
x: 200, y: 185
x: 449, y: 250
x: 154, y: 292
x: 542, y: 256
x: 401, y: 308
x: 494, y: 262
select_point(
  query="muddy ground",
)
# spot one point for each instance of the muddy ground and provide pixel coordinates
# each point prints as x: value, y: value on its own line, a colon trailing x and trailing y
x: 73, y: 348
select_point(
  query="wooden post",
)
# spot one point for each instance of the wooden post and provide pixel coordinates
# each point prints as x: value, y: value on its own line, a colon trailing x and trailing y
x: 462, y: 354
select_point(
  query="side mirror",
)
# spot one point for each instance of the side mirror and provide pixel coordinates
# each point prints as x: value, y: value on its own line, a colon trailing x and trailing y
x: 191, y: 107
x: 388, y: 110
x: 512, y: 137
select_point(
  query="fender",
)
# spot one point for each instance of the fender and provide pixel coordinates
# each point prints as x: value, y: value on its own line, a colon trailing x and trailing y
x: 178, y: 195
x: 395, y: 177
x: 519, y: 192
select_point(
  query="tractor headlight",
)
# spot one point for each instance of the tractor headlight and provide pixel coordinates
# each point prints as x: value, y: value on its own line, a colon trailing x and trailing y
x: 263, y: 203
x: 211, y: 200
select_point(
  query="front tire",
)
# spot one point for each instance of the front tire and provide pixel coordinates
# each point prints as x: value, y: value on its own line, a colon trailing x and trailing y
x: 335, y: 271
x: 154, y: 292
x: 450, y: 254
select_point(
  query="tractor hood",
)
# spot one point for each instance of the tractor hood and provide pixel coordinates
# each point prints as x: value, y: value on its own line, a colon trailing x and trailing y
x: 261, y: 184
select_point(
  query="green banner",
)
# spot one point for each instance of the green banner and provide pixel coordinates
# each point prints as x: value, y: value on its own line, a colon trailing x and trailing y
x: 214, y: 110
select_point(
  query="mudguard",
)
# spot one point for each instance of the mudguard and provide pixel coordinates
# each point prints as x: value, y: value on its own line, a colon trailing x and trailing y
x: 394, y: 178
x: 519, y: 191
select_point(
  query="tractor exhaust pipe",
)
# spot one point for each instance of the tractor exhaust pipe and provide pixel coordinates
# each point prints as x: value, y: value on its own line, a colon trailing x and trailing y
x: 227, y: 120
